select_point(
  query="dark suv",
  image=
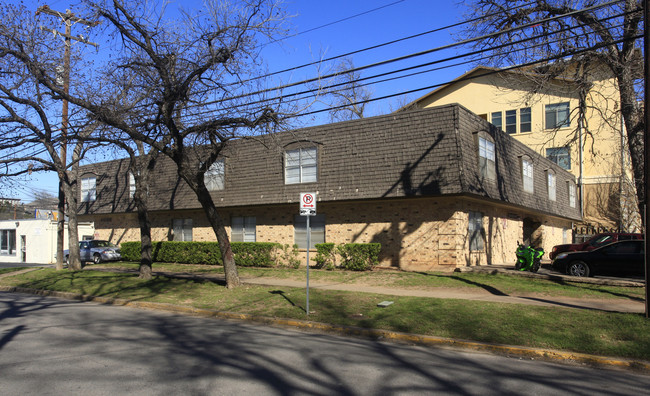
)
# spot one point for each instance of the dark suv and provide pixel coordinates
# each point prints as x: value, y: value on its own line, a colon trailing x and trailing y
x: 594, y: 242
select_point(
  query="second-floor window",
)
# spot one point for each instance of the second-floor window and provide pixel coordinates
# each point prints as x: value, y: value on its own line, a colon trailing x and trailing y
x: 131, y: 185
x: 572, y: 194
x: 557, y: 115
x: 560, y: 155
x: 215, y: 176
x: 88, y: 189
x: 486, y: 159
x: 551, y: 185
x: 527, y: 174
x: 301, y: 166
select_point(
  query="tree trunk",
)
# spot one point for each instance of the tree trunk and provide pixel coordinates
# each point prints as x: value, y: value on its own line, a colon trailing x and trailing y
x: 229, y: 267
x: 74, y: 263
x: 145, y: 236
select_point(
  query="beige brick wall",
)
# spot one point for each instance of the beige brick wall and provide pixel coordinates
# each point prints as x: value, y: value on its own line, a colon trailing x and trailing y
x: 418, y: 234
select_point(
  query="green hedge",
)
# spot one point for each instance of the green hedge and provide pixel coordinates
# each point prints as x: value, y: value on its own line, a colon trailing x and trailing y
x: 359, y: 256
x: 247, y: 254
x: 352, y: 256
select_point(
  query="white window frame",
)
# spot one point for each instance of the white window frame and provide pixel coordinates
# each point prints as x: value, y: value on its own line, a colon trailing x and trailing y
x: 243, y: 229
x: 317, y: 226
x: 182, y: 230
x: 571, y: 187
x: 557, y: 115
x: 475, y: 231
x: 496, y: 118
x: 487, y: 158
x: 525, y: 126
x: 551, y: 183
x: 560, y: 155
x: 131, y: 185
x: 528, y: 175
x: 511, y: 122
x: 215, y: 177
x: 301, y: 165
x: 88, y: 189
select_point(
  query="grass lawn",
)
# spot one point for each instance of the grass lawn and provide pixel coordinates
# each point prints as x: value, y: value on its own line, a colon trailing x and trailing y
x: 602, y: 333
x: 7, y: 270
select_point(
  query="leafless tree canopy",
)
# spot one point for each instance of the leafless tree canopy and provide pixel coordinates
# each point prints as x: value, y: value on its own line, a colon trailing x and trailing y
x: 570, y: 39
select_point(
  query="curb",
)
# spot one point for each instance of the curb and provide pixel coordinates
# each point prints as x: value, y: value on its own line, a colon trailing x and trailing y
x: 504, y: 350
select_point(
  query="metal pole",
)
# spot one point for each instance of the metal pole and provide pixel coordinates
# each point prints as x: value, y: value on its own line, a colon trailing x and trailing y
x: 646, y: 139
x: 308, y: 245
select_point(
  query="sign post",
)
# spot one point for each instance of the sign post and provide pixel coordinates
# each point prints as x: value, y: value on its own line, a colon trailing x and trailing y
x: 308, y: 209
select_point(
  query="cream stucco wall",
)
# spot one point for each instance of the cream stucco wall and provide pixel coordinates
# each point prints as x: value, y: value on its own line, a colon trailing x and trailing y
x: 605, y: 155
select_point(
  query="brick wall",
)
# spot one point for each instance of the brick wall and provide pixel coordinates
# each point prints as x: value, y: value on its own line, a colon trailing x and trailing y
x: 418, y: 234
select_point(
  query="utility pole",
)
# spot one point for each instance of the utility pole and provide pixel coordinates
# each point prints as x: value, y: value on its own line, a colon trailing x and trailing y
x: 68, y: 18
x: 646, y: 140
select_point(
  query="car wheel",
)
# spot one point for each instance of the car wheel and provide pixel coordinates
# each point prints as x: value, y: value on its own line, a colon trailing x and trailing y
x: 578, y: 268
x: 67, y: 261
x: 97, y: 259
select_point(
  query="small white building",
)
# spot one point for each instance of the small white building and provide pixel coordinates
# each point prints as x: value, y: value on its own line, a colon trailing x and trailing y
x: 34, y: 240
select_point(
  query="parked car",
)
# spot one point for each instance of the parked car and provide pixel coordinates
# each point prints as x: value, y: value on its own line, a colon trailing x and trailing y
x: 594, y: 242
x: 618, y: 258
x: 96, y: 251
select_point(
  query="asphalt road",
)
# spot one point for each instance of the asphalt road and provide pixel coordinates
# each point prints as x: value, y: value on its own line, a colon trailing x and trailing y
x: 57, y: 347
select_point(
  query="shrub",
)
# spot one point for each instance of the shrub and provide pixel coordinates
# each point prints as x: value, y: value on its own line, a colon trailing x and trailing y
x: 287, y: 256
x: 254, y: 254
x: 359, y: 256
x: 325, y: 256
x: 130, y: 251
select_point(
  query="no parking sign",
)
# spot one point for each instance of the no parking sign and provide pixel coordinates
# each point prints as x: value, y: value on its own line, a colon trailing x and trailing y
x: 307, y: 204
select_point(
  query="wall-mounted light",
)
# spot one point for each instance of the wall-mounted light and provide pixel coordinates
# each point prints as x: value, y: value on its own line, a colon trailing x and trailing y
x: 17, y: 223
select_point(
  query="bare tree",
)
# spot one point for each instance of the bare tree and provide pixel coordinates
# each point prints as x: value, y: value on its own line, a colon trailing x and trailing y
x: 188, y: 80
x: 580, y: 40
x: 347, y: 96
x: 30, y: 140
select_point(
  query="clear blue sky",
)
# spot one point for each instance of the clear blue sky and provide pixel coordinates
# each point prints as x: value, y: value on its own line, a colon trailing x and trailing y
x: 396, y: 20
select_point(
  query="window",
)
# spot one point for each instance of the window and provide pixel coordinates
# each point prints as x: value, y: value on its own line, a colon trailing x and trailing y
x: 182, y: 230
x: 557, y: 115
x: 214, y: 177
x: 572, y: 194
x: 486, y: 159
x: 527, y: 174
x: 317, y: 225
x: 475, y: 230
x: 525, y: 120
x: 497, y: 120
x: 8, y: 242
x: 551, y: 185
x: 88, y: 189
x: 300, y: 166
x: 560, y: 155
x: 242, y: 229
x: 131, y: 185
x: 511, y: 121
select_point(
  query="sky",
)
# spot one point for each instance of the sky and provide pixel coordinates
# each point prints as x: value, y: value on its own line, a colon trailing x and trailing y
x: 324, y: 29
